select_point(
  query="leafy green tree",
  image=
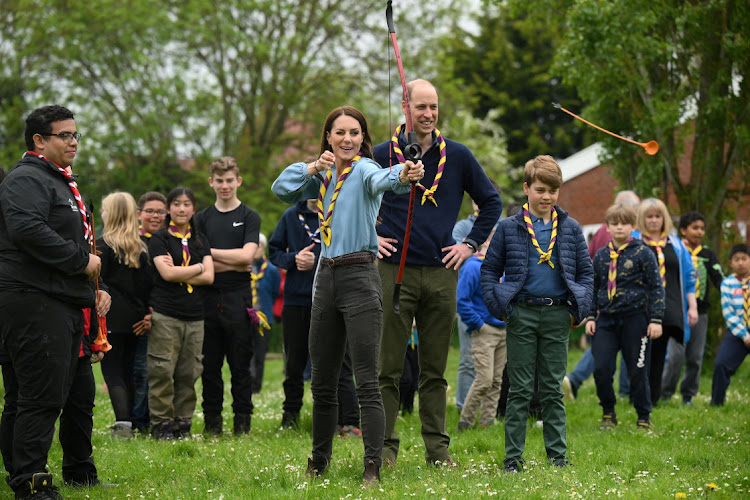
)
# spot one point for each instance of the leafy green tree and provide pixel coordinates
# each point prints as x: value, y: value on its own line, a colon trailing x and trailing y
x: 668, y: 70
x: 506, y: 66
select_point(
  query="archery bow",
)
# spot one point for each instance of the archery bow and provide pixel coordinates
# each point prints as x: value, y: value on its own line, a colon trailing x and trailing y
x: 412, y: 151
x: 101, y: 339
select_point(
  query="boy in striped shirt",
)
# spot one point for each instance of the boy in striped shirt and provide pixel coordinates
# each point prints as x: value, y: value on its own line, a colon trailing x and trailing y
x: 735, y: 305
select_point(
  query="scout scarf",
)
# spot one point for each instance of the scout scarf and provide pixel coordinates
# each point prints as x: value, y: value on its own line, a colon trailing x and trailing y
x: 87, y: 234
x: 694, y: 254
x: 325, y: 222
x: 612, y: 277
x: 429, y: 194
x: 543, y: 256
x: 255, y: 278
x: 314, y: 236
x: 257, y: 317
x: 659, y: 245
x: 746, y: 300
x: 172, y: 229
x: 143, y: 232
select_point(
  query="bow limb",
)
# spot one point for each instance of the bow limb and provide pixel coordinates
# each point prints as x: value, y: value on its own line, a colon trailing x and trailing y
x: 412, y: 152
x: 101, y: 336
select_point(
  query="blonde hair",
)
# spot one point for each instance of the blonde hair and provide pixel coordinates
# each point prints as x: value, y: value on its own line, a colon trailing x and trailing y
x: 544, y: 169
x: 648, y: 205
x: 623, y: 214
x: 121, y: 228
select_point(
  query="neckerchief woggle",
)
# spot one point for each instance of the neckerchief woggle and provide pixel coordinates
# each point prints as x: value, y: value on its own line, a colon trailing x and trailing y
x: 429, y: 194
x: 543, y: 256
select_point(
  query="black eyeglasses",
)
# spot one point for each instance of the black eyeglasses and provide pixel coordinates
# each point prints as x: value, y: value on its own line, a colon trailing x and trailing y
x: 67, y: 137
x: 151, y: 211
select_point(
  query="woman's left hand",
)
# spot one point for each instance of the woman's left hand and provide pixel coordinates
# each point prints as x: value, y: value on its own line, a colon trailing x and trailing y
x: 412, y: 172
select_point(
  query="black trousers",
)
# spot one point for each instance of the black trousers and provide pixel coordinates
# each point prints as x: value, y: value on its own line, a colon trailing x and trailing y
x: 626, y: 334
x: 228, y: 333
x: 117, y: 368
x: 258, y: 363
x: 42, y: 337
x: 658, y: 354
x: 347, y: 306
x: 295, y: 325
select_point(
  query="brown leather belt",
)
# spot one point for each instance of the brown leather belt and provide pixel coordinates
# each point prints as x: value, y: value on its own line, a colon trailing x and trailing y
x: 348, y: 259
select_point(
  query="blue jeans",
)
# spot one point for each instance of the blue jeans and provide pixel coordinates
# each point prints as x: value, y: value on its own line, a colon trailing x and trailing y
x: 465, y: 376
x: 139, y: 413
x: 731, y: 355
x: 585, y: 368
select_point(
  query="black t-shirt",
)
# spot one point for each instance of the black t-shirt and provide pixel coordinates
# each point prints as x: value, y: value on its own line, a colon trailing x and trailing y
x: 228, y: 230
x: 173, y: 299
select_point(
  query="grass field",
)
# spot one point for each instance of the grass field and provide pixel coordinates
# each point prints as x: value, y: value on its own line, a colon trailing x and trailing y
x: 695, y: 452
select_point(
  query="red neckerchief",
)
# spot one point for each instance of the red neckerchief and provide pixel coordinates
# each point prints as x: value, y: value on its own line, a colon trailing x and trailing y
x: 74, y: 189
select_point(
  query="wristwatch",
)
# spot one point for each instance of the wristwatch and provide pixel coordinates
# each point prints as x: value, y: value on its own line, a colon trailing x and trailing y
x: 471, y: 244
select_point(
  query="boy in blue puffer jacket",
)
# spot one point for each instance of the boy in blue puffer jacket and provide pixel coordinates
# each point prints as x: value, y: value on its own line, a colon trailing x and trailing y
x: 548, y: 285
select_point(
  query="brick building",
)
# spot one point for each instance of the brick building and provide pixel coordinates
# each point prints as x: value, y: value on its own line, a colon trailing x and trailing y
x: 589, y: 188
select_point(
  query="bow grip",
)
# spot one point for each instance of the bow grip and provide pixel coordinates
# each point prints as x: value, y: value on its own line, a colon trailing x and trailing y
x: 412, y: 151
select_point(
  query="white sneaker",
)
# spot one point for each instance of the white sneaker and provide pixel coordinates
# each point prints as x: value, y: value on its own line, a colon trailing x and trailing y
x: 567, y: 389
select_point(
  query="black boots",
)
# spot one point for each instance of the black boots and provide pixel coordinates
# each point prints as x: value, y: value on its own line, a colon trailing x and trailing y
x: 241, y: 423
x: 213, y: 424
x: 39, y: 488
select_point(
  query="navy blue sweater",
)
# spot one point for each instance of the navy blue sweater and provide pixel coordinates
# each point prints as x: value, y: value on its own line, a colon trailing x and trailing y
x: 432, y: 226
x: 509, y: 253
x: 287, y: 240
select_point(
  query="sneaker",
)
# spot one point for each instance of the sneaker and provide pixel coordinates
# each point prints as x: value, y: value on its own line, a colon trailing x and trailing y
x: 644, y: 424
x: 163, y: 431
x: 512, y: 466
x: 182, y: 428
x: 561, y: 462
x: 609, y: 421
x: 122, y: 430
x: 371, y: 474
x: 289, y: 420
x: 569, y: 392
x: 687, y: 402
x: 349, y: 431
x: 463, y: 425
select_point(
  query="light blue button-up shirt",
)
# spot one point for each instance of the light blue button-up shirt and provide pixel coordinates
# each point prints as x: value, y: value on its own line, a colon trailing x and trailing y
x: 357, y: 206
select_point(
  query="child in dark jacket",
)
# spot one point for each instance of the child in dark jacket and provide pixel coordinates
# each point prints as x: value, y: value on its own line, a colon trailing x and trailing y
x: 548, y: 284
x: 630, y: 300
x: 707, y: 269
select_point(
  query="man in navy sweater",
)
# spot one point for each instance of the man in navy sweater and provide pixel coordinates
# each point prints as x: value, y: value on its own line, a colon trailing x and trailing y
x: 430, y: 278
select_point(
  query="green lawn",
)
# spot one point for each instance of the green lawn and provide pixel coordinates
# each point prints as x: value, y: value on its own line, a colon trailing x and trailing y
x: 698, y: 451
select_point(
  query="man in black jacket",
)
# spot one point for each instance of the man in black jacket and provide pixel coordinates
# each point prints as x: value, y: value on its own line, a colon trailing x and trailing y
x: 46, y: 274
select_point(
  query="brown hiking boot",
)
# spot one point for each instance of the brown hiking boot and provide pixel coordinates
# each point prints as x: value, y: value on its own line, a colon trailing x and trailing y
x: 371, y: 474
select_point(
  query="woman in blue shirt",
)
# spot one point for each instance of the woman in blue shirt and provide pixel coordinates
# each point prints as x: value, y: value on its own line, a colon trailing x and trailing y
x: 347, y: 301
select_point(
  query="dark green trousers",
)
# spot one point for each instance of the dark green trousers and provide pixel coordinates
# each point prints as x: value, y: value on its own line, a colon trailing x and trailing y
x: 428, y: 294
x: 537, y: 337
